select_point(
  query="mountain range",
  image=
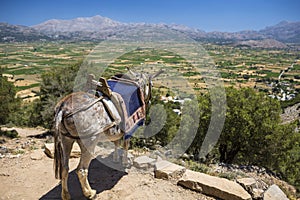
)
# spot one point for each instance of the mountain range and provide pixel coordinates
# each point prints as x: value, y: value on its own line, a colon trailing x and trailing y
x: 98, y: 28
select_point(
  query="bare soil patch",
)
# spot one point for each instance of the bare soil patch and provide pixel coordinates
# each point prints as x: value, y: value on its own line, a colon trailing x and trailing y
x: 29, y: 175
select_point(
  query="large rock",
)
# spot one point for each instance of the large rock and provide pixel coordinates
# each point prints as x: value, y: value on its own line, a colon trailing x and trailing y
x: 213, y: 186
x: 274, y: 193
x: 49, y: 150
x: 167, y: 170
x: 143, y: 162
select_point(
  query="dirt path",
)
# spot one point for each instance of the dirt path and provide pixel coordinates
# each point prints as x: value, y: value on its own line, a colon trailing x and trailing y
x: 30, y: 176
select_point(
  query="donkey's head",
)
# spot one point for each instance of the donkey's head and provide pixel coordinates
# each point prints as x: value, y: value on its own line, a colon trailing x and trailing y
x: 144, y: 81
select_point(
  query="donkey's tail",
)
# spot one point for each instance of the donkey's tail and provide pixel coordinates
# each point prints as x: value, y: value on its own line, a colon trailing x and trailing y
x: 58, y: 149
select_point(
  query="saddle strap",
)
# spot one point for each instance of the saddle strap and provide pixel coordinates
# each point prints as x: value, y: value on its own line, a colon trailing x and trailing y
x: 67, y: 134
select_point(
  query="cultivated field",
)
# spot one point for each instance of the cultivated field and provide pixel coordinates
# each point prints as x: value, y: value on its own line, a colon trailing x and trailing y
x: 24, y: 63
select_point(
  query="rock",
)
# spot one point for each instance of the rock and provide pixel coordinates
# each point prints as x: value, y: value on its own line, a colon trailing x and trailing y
x: 185, y: 156
x: 49, y: 150
x: 3, y: 150
x: 213, y: 186
x: 167, y: 170
x: 168, y: 153
x: 156, y: 154
x: 251, y: 186
x: 143, y: 162
x: 274, y: 193
x: 13, y: 156
x: 257, y: 193
x: 37, y: 155
x: 247, y: 182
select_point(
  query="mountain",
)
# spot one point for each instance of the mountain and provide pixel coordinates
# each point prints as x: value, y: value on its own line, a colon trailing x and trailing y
x: 284, y: 32
x: 98, y: 27
x: 82, y: 28
x: 82, y: 24
x: 15, y: 33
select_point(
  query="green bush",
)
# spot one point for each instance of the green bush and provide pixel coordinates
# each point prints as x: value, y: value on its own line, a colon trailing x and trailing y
x: 9, y: 134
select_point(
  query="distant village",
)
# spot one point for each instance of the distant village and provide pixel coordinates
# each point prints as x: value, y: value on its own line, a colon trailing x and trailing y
x: 283, y: 90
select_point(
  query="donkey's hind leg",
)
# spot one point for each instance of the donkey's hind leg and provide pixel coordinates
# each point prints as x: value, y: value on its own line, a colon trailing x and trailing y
x: 67, y: 147
x: 125, y: 154
x: 87, y: 151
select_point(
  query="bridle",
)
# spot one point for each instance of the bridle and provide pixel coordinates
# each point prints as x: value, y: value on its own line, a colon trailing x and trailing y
x: 145, y: 83
x: 146, y: 87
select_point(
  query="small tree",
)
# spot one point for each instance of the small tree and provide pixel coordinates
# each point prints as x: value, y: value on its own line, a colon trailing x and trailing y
x: 250, y: 117
x: 9, y: 103
x: 56, y: 83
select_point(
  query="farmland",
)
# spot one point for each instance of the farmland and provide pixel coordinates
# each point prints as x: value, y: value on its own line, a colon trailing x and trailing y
x: 239, y: 67
x: 23, y: 63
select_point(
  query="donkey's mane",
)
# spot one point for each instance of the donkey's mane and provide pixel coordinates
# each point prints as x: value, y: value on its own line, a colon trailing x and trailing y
x: 125, y: 76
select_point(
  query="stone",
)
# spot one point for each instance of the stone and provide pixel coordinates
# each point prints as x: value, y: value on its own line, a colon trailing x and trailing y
x: 3, y: 149
x: 251, y: 186
x: 274, y: 193
x: 168, y: 171
x: 213, y: 186
x: 247, y: 182
x: 49, y: 150
x: 37, y: 155
x: 257, y: 193
x: 13, y: 156
x: 143, y: 162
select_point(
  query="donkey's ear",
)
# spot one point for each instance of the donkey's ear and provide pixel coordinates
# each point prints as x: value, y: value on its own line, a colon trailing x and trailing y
x: 152, y: 76
x: 131, y: 72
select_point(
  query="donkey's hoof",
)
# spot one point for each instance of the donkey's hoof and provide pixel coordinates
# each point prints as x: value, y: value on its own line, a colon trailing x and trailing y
x: 116, y: 159
x: 92, y: 194
x: 65, y: 196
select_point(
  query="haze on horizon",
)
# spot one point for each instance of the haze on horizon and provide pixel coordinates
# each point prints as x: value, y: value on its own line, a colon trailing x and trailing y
x: 214, y: 15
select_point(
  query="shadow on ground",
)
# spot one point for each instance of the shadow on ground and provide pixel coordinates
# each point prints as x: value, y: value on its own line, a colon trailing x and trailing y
x: 101, y: 178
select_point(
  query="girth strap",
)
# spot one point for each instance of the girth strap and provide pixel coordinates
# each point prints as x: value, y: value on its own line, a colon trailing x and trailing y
x: 85, y: 107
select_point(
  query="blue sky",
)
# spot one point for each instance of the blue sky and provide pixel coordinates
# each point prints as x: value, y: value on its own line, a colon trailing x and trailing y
x: 209, y: 15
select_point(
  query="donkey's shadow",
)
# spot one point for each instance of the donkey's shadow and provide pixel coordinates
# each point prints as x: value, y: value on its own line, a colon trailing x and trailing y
x: 101, y: 178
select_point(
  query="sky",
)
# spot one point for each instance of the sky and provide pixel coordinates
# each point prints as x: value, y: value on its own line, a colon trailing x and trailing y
x: 207, y: 15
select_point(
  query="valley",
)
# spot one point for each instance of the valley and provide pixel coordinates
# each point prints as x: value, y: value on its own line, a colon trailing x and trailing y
x: 258, y: 69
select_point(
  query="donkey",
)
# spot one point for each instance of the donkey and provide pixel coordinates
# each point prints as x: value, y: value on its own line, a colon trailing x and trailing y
x: 82, y: 117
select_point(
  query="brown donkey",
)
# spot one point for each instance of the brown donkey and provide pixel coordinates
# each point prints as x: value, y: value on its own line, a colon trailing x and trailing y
x: 83, y: 118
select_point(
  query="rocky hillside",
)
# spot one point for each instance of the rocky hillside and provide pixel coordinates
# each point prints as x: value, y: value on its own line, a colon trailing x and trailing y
x: 15, y: 33
x: 284, y: 32
x: 24, y: 165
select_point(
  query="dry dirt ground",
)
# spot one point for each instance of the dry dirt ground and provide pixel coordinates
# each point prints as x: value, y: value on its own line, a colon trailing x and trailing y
x: 29, y: 175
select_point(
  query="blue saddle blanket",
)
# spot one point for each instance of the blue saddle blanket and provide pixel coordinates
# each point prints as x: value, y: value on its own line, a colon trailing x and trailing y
x: 133, y: 105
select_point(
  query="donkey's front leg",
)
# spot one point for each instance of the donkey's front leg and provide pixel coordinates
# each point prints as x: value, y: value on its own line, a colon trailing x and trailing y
x: 125, y: 152
x: 87, y: 151
x: 116, y: 156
